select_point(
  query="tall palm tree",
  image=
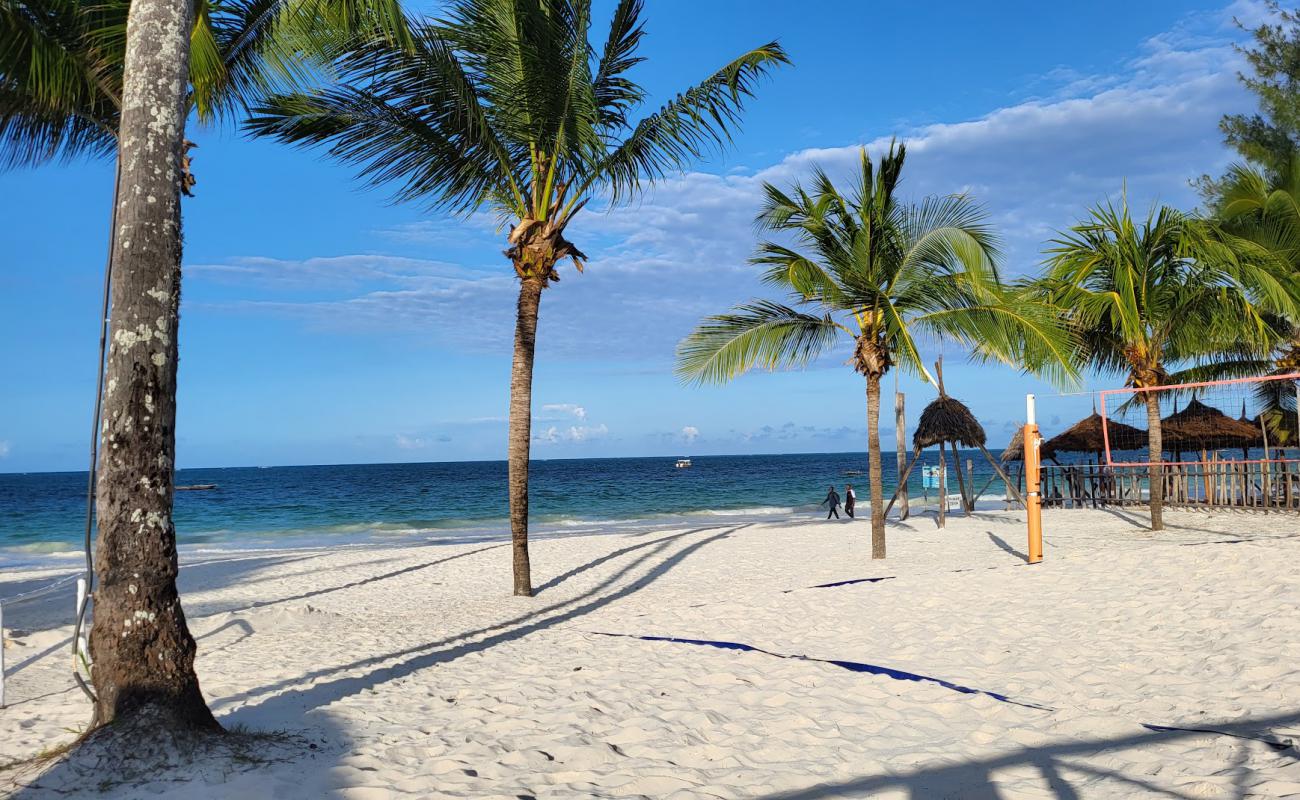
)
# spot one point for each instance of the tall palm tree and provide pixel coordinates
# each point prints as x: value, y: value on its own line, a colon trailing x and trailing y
x: 143, y: 651
x: 505, y: 105
x: 881, y: 273
x: 1146, y: 297
x: 73, y: 76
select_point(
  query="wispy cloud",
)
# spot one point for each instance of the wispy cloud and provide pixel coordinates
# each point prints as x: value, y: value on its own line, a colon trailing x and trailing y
x: 405, y: 442
x: 573, y: 434
x: 661, y: 264
x: 4, y: 448
x: 550, y: 410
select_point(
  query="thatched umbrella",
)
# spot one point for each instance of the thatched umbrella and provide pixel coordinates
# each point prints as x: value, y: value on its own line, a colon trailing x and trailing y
x: 1255, y: 423
x: 1086, y: 436
x: 1199, y: 425
x: 1016, y: 450
x: 947, y: 421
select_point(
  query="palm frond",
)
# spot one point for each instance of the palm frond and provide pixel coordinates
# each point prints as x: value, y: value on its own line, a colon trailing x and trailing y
x: 419, y: 125
x: 759, y: 334
x: 697, y: 122
x: 615, y: 94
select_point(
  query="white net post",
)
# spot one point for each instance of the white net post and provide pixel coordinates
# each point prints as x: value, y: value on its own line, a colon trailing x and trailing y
x: 2, y: 655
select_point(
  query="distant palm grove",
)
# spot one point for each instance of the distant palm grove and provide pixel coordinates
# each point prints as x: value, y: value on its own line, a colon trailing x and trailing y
x: 530, y: 111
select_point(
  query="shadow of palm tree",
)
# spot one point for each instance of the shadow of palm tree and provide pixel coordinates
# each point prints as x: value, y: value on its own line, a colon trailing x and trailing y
x: 975, y: 778
x: 275, y: 708
x: 373, y: 578
x: 578, y: 570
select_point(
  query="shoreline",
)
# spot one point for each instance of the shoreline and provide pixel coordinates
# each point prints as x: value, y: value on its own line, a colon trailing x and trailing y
x: 52, y: 554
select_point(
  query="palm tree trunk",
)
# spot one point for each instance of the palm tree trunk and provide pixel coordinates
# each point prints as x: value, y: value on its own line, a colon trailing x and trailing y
x: 521, y: 427
x: 1155, y: 454
x: 874, y: 464
x: 142, y: 649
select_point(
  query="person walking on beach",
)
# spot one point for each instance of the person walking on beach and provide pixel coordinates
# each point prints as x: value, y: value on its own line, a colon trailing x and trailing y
x: 850, y: 500
x: 834, y: 500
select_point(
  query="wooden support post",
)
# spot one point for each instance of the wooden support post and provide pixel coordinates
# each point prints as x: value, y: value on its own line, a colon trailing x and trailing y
x: 902, y: 480
x: 900, y: 428
x: 1012, y: 487
x: 961, y: 481
x: 943, y: 488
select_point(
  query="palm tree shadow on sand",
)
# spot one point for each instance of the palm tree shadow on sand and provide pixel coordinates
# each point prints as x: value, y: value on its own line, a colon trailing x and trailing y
x: 327, y: 740
x: 283, y: 703
x: 975, y: 778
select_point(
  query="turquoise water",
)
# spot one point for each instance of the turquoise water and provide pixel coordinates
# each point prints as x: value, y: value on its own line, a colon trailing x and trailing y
x: 43, y: 513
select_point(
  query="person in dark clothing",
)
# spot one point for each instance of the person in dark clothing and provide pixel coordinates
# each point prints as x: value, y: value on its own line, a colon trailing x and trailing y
x: 834, y: 500
x: 850, y: 500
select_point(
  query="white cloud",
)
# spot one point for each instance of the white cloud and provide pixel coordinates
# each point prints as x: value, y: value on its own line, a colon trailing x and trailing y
x: 562, y: 409
x: 661, y: 264
x: 690, y: 433
x: 329, y: 272
x: 574, y: 434
x: 4, y: 448
x: 405, y: 442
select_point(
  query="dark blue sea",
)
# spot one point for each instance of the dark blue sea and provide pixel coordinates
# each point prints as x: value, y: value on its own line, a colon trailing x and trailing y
x: 42, y: 514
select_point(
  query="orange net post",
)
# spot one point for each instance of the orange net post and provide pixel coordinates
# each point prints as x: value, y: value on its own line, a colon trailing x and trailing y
x: 1033, y: 498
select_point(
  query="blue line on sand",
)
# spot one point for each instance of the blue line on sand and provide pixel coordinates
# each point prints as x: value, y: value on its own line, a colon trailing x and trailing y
x: 852, y: 666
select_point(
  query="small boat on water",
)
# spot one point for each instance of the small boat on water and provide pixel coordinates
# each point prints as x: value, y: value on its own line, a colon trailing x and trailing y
x: 849, y: 473
x: 198, y: 487
x: 683, y: 463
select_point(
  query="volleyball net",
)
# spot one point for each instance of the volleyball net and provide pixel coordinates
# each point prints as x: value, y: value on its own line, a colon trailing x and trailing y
x: 1226, y: 443
x: 1244, y: 420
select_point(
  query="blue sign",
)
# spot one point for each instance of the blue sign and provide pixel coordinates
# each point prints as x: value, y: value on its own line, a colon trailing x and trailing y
x: 930, y: 477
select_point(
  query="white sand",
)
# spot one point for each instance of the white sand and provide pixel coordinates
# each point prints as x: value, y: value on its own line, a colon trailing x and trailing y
x: 417, y: 675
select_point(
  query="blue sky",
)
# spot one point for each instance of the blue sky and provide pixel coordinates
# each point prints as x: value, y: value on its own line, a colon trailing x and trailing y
x: 321, y: 324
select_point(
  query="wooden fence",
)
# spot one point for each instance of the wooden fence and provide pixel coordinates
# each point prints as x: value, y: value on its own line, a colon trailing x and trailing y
x: 1207, y: 484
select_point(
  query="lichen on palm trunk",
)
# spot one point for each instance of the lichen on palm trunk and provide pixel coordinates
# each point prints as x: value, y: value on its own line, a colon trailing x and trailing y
x: 142, y: 650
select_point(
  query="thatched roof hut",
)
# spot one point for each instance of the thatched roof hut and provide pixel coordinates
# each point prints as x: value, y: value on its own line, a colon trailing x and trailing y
x: 1200, y: 425
x: 948, y: 420
x: 1085, y: 436
x: 1016, y: 449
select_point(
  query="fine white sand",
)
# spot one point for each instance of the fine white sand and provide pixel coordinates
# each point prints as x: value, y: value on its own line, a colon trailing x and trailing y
x: 414, y: 673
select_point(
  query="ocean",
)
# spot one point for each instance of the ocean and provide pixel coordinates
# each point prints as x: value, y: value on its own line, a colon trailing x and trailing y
x: 42, y: 514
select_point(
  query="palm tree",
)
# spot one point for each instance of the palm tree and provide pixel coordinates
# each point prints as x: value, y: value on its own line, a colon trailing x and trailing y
x: 506, y: 105
x: 143, y: 651
x: 62, y: 64
x: 880, y: 272
x: 72, y: 76
x: 1146, y: 297
x: 1264, y: 208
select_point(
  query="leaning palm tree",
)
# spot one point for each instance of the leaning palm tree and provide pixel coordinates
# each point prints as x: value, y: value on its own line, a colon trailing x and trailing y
x: 505, y: 105
x: 881, y: 273
x: 121, y: 77
x: 1149, y: 296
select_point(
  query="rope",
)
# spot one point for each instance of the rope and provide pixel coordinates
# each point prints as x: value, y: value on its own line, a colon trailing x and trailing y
x: 92, y: 473
x: 43, y: 590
